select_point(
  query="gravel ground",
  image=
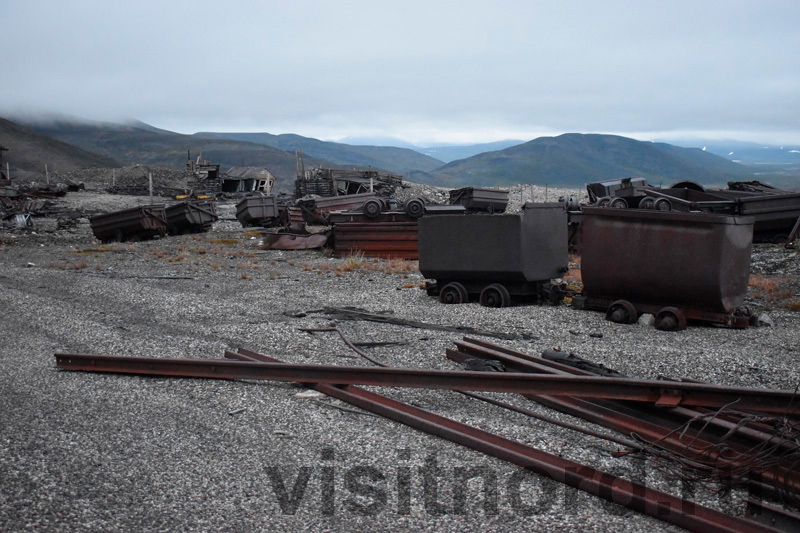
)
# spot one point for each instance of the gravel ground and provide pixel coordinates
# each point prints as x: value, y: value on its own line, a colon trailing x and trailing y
x: 111, y: 452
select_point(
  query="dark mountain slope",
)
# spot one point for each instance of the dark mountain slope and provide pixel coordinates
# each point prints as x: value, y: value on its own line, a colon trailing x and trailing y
x: 29, y: 150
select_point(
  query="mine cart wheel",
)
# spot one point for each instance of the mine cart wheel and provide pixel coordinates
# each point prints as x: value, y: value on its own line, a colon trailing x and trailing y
x: 495, y: 295
x: 622, y: 312
x: 618, y: 203
x: 372, y: 208
x: 604, y: 201
x: 670, y: 319
x: 415, y: 208
x: 647, y: 202
x: 662, y: 204
x: 454, y: 293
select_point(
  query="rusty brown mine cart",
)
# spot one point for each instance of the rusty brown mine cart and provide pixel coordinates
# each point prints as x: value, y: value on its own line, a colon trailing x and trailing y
x: 496, y: 258
x: 137, y: 223
x: 257, y: 210
x: 191, y: 217
x: 675, y: 266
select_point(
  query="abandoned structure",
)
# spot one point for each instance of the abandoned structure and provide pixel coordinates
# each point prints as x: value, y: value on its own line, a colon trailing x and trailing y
x: 248, y: 179
x: 201, y: 168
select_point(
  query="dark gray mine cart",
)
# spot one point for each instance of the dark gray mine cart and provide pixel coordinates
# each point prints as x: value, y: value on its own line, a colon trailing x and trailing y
x: 191, y: 217
x: 137, y: 223
x: 477, y: 200
x: 496, y: 258
x: 257, y: 211
x: 675, y: 266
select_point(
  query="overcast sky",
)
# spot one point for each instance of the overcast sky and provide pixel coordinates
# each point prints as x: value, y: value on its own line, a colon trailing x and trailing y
x: 424, y: 71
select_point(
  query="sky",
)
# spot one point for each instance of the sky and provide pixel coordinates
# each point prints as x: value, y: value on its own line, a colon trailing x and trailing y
x: 428, y: 72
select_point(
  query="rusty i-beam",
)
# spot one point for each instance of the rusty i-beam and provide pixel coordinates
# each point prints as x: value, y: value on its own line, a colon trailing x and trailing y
x: 663, y: 393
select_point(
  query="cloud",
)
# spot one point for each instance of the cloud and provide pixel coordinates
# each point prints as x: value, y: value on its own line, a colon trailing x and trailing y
x: 454, y: 68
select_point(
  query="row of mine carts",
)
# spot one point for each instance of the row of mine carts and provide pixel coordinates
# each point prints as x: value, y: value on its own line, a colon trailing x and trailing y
x: 149, y: 221
x: 672, y: 253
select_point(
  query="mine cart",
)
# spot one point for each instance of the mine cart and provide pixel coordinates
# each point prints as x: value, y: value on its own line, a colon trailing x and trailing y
x: 477, y: 200
x: 495, y: 258
x: 257, y: 210
x: 137, y: 223
x: 675, y: 266
x: 191, y: 217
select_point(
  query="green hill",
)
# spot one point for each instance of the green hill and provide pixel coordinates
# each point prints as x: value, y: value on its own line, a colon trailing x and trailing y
x: 29, y: 150
x: 140, y: 143
x: 390, y: 158
x: 574, y: 159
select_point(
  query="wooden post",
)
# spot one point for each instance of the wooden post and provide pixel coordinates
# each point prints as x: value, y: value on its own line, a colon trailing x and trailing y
x: 370, y: 184
x: 150, y: 184
x: 46, y: 174
x: 113, y: 178
x: 8, y: 172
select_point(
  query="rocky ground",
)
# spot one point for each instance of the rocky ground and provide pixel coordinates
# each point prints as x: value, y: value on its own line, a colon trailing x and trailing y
x: 110, y: 452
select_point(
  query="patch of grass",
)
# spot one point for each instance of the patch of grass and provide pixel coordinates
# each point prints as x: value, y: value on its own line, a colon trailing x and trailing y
x: 229, y: 242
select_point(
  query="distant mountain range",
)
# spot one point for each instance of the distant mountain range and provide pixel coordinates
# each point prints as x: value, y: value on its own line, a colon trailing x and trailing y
x: 566, y: 160
x: 574, y: 159
x: 398, y: 160
x: 746, y: 153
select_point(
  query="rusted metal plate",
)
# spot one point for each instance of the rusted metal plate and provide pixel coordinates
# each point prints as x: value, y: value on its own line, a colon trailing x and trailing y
x: 687, y: 260
x: 293, y: 241
x: 378, y: 239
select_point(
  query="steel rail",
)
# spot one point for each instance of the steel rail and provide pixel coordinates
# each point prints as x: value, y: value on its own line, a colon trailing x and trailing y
x: 637, y: 497
x: 640, y: 421
x: 765, y: 400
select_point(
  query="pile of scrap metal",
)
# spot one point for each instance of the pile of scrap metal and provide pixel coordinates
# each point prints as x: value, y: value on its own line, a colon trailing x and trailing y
x: 20, y: 204
x: 732, y: 436
x: 150, y: 221
x: 776, y: 211
x: 332, y: 182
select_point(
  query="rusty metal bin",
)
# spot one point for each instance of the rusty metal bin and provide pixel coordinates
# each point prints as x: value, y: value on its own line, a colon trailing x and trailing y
x: 696, y: 262
x: 191, y: 217
x: 144, y: 222
x: 257, y: 210
x: 475, y: 251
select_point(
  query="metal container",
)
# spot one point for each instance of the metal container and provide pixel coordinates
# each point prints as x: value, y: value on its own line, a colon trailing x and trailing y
x: 475, y: 199
x: 344, y: 202
x: 525, y: 247
x: 191, y: 217
x: 695, y: 261
x: 257, y: 210
x: 142, y: 222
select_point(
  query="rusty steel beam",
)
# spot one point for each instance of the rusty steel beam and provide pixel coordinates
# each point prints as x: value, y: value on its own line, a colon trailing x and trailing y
x: 637, y: 497
x: 660, y: 392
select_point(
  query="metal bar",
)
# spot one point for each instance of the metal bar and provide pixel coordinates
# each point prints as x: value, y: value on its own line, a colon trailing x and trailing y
x: 632, y: 495
x: 514, y: 382
x: 773, y: 516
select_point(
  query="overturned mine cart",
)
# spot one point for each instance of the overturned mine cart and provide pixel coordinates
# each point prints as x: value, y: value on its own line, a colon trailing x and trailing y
x: 191, y: 217
x: 675, y: 266
x: 495, y: 258
x: 137, y: 223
